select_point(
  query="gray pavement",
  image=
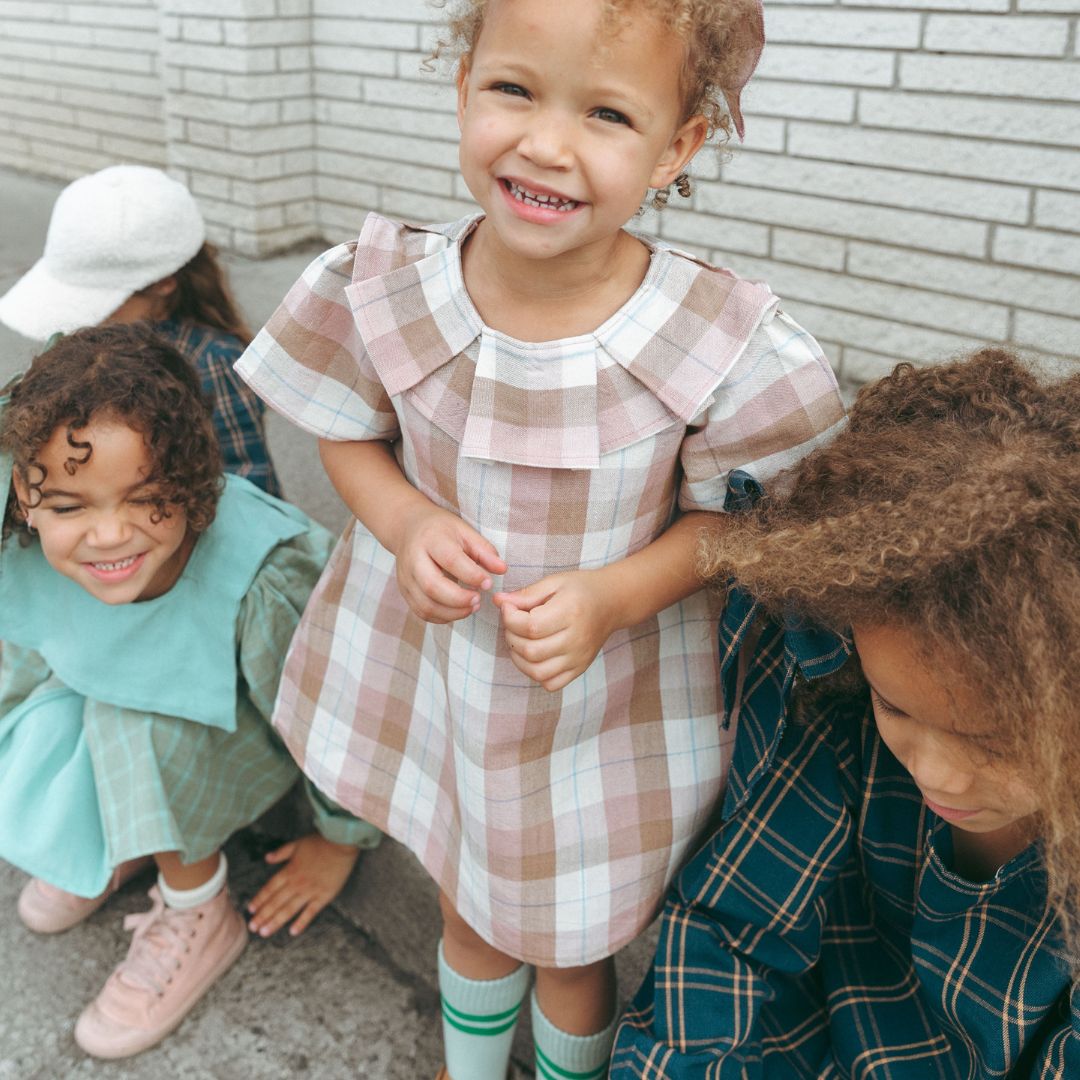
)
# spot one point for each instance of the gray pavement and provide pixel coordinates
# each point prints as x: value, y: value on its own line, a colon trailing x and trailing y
x: 355, y: 995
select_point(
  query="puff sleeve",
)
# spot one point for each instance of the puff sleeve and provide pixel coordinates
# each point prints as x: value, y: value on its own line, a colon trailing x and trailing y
x: 309, y: 362
x: 777, y: 403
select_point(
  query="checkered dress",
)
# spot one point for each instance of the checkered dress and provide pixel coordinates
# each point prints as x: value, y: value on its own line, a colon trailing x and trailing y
x: 552, y: 821
x: 822, y: 932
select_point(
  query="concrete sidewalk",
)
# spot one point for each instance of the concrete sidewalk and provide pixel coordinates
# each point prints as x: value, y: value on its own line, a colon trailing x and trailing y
x: 355, y: 995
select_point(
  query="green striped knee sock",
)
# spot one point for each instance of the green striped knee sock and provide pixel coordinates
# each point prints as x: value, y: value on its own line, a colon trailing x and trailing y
x: 479, y: 1017
x: 560, y: 1056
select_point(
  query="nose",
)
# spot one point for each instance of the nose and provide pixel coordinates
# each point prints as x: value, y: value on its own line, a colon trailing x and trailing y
x: 548, y: 140
x: 110, y: 529
x: 937, y: 772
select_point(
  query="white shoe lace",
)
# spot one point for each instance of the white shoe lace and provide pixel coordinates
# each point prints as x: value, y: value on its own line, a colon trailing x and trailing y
x: 162, y: 940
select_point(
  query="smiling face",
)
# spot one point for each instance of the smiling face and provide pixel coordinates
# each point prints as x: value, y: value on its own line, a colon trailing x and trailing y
x: 932, y: 728
x: 98, y: 526
x: 565, y: 125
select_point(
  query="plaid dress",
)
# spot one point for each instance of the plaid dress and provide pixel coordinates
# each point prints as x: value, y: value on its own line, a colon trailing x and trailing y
x: 142, y: 728
x: 238, y: 413
x: 822, y: 932
x: 552, y: 821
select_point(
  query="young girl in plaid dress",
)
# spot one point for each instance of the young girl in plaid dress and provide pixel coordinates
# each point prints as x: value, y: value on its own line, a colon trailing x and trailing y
x: 894, y: 891
x: 532, y: 412
x: 145, y: 609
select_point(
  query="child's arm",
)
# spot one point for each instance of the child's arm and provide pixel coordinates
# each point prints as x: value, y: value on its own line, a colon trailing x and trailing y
x: 556, y: 626
x: 746, y: 920
x: 786, y: 402
x: 434, y: 549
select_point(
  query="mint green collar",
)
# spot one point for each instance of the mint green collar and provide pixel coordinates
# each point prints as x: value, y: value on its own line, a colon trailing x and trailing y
x: 174, y: 655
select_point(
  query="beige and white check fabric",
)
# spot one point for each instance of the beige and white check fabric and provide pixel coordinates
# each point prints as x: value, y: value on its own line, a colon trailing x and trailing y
x: 553, y: 821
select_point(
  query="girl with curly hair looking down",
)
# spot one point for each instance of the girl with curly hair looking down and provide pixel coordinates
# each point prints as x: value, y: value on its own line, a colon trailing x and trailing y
x: 894, y: 887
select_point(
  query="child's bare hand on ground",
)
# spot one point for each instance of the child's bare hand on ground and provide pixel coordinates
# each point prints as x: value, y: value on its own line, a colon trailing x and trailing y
x: 556, y: 626
x: 443, y: 565
x: 315, y: 871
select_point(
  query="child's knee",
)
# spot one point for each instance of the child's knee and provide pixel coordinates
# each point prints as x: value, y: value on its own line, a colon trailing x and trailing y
x: 457, y: 929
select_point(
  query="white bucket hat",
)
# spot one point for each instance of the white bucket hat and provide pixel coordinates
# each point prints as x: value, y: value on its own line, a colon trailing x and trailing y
x: 111, y: 234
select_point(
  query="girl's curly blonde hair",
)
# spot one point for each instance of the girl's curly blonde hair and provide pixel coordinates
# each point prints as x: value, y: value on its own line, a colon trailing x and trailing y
x: 723, y: 42
x: 951, y: 506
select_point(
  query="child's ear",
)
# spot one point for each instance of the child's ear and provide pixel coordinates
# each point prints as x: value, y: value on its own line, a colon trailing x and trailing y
x: 165, y: 287
x: 22, y: 492
x: 685, y: 143
x: 461, y: 79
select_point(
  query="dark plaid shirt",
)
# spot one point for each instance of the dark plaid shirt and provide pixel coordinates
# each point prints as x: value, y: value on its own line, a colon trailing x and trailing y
x: 822, y: 933
x: 238, y: 412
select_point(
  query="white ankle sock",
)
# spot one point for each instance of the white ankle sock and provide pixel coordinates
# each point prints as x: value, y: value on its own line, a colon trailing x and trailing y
x: 185, y: 899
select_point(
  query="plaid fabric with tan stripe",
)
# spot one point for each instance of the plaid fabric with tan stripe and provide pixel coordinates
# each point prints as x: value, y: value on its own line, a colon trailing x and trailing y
x: 238, y: 413
x: 821, y: 932
x: 553, y: 821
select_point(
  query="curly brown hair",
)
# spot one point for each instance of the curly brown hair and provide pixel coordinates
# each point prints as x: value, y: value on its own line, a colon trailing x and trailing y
x: 951, y: 506
x: 723, y: 40
x: 127, y: 373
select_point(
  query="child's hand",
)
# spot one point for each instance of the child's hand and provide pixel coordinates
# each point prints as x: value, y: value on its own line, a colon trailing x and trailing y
x: 438, y: 550
x: 556, y: 626
x: 314, y: 873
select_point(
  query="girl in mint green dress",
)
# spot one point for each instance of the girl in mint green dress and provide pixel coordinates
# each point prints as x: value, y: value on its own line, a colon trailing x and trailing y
x: 146, y: 604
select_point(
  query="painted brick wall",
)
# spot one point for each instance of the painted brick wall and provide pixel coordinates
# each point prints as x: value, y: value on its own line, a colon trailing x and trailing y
x: 910, y: 184
x: 239, y: 110
x: 80, y: 85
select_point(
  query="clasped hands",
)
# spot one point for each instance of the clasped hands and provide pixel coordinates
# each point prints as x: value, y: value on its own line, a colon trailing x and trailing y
x: 554, y: 627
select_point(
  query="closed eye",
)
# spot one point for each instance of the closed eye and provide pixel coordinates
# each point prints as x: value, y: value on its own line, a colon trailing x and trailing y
x: 64, y: 509
x: 884, y: 706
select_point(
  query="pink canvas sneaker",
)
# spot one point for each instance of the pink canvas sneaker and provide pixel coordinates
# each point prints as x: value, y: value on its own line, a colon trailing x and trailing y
x: 175, y: 957
x: 45, y: 909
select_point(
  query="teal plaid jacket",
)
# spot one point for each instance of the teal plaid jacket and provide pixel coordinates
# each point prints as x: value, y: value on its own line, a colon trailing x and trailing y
x: 821, y: 931
x: 238, y: 411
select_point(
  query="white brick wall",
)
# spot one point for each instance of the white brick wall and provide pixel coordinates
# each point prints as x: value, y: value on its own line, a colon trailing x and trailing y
x: 910, y: 183
x: 80, y: 85
x: 238, y: 98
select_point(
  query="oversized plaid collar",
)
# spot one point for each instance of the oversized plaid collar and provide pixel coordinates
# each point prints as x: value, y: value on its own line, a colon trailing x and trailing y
x: 673, y: 341
x: 758, y: 669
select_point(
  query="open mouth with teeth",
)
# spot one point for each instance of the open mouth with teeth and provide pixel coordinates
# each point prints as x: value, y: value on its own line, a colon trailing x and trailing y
x: 116, y: 569
x: 535, y: 198
x: 123, y: 564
